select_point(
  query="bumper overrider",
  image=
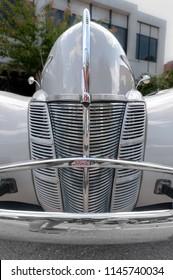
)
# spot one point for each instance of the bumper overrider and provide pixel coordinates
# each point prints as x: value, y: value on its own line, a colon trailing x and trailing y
x: 86, y: 228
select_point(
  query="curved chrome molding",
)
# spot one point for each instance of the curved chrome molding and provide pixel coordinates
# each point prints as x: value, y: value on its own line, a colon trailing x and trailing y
x: 47, y: 63
x: 85, y: 162
x: 71, y: 228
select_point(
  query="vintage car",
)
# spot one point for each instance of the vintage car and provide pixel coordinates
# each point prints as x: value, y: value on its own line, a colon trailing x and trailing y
x: 87, y: 159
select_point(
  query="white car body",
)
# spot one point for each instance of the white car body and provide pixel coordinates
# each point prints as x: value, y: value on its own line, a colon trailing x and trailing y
x: 87, y: 151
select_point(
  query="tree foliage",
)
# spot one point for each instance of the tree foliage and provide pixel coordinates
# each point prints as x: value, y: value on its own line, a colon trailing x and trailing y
x: 27, y: 34
x: 161, y: 82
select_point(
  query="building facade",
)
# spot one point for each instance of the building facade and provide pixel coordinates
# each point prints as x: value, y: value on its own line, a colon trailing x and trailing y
x: 141, y: 35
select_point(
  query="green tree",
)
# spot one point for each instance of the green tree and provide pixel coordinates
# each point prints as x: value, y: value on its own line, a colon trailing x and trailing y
x: 27, y: 34
x: 161, y: 82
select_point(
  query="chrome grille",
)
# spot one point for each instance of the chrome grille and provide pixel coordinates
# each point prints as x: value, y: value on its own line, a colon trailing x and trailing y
x: 39, y: 122
x: 127, y: 182
x: 134, y: 124
x: 116, y: 131
x: 41, y: 141
x: 67, y: 126
x: 48, y: 193
x: 105, y: 128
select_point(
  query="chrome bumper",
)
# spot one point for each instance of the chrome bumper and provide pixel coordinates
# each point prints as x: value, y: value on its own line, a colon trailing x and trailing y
x: 70, y: 228
x: 107, y: 228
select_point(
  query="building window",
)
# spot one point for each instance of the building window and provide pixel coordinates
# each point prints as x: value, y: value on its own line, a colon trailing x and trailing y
x: 146, y: 45
x: 104, y: 24
x: 59, y: 16
x: 121, y: 34
x: 116, y: 23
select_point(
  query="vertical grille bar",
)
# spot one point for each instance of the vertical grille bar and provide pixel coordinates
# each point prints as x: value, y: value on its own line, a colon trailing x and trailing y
x: 86, y: 152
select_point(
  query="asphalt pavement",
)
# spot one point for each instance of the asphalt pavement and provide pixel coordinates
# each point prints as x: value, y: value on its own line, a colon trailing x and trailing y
x: 13, y: 250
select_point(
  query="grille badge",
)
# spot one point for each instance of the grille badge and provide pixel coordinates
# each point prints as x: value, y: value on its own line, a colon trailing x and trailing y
x: 81, y: 163
x: 86, y: 99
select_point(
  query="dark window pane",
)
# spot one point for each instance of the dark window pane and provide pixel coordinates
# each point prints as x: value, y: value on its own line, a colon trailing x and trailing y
x: 137, y: 45
x: 121, y: 35
x: 59, y: 16
x: 75, y: 19
x: 146, y: 48
x: 104, y: 24
x: 153, y: 49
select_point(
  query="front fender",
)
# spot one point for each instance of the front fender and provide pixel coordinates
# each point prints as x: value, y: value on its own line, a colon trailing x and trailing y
x: 159, y: 144
x: 14, y: 144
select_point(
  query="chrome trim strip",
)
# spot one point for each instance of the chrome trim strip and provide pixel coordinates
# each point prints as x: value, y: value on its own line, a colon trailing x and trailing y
x: 86, y: 131
x: 77, y: 97
x: 86, y: 149
x: 68, y: 228
x: 83, y: 162
x: 47, y: 63
x: 86, y: 100
x: 85, y: 52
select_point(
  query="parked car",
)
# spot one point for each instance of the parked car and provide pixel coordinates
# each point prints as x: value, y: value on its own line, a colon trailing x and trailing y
x: 87, y: 159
